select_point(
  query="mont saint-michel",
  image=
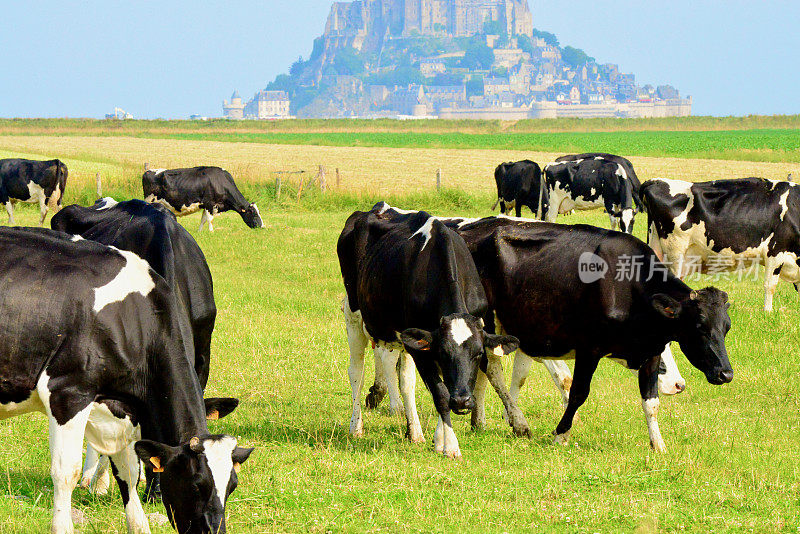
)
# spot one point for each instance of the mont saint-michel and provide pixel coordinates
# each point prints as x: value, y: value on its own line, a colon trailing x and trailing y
x: 453, y: 59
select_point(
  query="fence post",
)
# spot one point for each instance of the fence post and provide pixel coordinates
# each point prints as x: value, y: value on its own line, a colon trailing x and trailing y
x: 338, y: 179
x: 790, y: 178
x: 146, y: 166
x: 322, y: 183
x: 300, y: 190
x: 438, y: 179
x: 278, y: 188
x: 99, y: 186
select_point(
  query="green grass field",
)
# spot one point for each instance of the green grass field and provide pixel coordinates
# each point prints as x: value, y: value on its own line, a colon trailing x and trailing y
x: 732, y: 463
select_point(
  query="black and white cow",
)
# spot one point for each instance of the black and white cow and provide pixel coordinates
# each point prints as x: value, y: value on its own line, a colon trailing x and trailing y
x: 538, y: 294
x: 726, y: 225
x: 592, y: 181
x: 412, y: 288
x: 520, y: 184
x: 108, y: 356
x: 26, y: 180
x: 186, y: 191
x: 473, y: 231
x: 151, y: 232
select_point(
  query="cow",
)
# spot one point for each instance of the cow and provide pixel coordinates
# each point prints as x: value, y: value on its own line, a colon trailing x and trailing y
x: 543, y: 293
x: 519, y: 184
x: 413, y: 290
x: 26, y: 180
x: 108, y: 356
x: 670, y: 381
x: 726, y: 225
x: 186, y: 191
x: 591, y: 181
x: 151, y: 232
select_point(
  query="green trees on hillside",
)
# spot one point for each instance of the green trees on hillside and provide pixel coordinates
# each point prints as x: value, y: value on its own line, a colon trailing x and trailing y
x: 575, y: 57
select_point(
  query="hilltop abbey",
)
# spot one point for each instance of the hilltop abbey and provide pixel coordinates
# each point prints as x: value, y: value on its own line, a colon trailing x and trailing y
x: 359, y: 21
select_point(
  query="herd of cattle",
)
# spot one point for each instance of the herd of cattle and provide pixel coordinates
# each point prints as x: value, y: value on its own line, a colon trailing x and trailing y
x: 119, y: 354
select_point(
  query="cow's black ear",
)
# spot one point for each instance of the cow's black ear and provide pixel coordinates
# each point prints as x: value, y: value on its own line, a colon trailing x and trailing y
x: 240, y: 456
x: 416, y: 340
x: 500, y: 345
x: 219, y: 407
x: 154, y: 455
x: 666, y: 305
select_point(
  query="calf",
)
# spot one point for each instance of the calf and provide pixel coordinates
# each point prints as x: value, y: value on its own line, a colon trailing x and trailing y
x: 412, y: 288
x: 152, y: 233
x: 539, y: 295
x: 108, y: 356
x: 591, y: 181
x: 726, y: 225
x: 186, y: 191
x: 26, y: 180
x: 520, y: 184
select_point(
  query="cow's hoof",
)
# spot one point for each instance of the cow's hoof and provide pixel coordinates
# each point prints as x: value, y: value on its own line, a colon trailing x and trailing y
x: 522, y: 431
x: 561, y: 439
x: 658, y: 446
x: 454, y: 455
x: 416, y: 437
x: 158, y: 519
x: 357, y: 427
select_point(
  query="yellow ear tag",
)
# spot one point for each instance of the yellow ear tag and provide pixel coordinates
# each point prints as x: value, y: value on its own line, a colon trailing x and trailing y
x: 156, y: 461
x: 498, y: 351
x: 213, y: 416
x: 237, y: 466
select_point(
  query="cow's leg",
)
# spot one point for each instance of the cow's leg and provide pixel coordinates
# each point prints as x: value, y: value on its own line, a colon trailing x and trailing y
x: 518, y: 208
x: 42, y: 210
x: 95, y: 472
x: 503, y: 207
x: 522, y: 367
x: 389, y: 358
x: 125, y: 465
x: 496, y: 202
x: 772, y: 275
x: 614, y: 221
x: 357, y: 341
x: 514, y: 416
x: 444, y: 439
x: 10, y: 210
x: 478, y: 416
x: 648, y: 387
x: 408, y: 386
x: 379, y: 388
x: 205, y: 218
x: 585, y: 366
x: 562, y: 377
x: 66, y: 448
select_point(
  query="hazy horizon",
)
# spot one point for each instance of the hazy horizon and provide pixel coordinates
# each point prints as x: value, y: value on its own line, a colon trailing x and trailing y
x: 175, y: 58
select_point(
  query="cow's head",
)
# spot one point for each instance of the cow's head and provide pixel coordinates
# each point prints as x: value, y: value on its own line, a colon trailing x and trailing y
x: 702, y: 322
x: 196, y: 479
x: 252, y: 217
x: 457, y: 347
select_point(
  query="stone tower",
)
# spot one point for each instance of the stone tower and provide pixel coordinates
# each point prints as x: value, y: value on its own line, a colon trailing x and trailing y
x: 233, y: 109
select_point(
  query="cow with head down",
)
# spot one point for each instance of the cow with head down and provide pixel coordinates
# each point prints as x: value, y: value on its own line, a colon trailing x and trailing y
x: 412, y: 289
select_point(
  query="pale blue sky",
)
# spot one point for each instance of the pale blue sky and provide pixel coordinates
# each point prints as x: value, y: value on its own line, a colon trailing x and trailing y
x: 172, y: 58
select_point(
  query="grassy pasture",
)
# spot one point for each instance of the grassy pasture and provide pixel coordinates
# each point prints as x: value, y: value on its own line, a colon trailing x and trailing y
x: 732, y: 460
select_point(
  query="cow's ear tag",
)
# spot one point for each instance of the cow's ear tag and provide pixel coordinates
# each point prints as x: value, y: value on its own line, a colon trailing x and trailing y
x: 424, y: 345
x: 212, y: 416
x: 237, y: 466
x: 498, y: 351
x: 156, y: 461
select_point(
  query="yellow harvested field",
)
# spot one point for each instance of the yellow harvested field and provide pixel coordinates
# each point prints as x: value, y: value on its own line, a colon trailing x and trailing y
x: 374, y: 170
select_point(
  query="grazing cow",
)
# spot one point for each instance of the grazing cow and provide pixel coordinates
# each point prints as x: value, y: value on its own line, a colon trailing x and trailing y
x: 151, y: 232
x: 412, y: 288
x: 726, y: 225
x: 543, y: 293
x: 520, y: 184
x: 670, y: 381
x: 26, y: 180
x: 108, y: 356
x: 186, y: 191
x: 594, y: 181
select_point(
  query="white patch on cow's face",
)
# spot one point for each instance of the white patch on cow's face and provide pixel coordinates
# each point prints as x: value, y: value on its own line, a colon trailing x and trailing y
x: 134, y: 277
x: 671, y: 382
x: 219, y: 454
x: 76, y: 238
x: 460, y: 331
x: 258, y: 213
x: 425, y: 231
x: 106, y: 203
x: 627, y: 219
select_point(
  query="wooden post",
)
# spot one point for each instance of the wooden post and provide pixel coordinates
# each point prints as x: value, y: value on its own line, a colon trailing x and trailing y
x: 322, y: 183
x: 146, y: 166
x: 338, y: 179
x: 790, y: 178
x: 300, y: 190
x: 99, y: 186
x: 438, y: 179
x: 278, y: 188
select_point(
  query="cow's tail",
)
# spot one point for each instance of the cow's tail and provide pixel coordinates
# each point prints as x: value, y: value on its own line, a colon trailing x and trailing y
x: 542, y: 187
x: 498, y: 179
x: 643, y: 202
x: 60, y: 185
